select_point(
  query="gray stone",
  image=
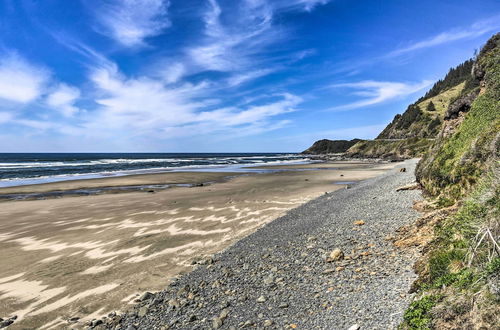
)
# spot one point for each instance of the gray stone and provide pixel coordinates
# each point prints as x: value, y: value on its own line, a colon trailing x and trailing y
x: 146, y: 296
x: 216, y: 323
x: 142, y: 311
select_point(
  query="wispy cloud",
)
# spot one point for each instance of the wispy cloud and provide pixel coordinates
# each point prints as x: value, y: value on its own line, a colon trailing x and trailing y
x: 239, y: 79
x: 374, y: 92
x: 147, y: 105
x: 130, y: 22
x: 92, y: 56
x: 29, y: 89
x: 473, y: 31
x: 63, y: 100
x: 21, y: 81
x: 236, y: 37
x: 228, y: 47
x: 306, y: 5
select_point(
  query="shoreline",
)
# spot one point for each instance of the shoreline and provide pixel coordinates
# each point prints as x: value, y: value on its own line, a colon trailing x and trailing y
x: 208, y: 168
x: 152, y: 182
x: 104, y: 250
x: 283, y: 274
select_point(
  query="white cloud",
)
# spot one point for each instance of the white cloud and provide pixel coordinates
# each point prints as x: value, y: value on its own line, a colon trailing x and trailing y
x: 94, y: 57
x: 473, y: 31
x: 172, y: 72
x: 252, y: 114
x: 228, y: 47
x: 21, y: 81
x: 374, y: 92
x: 148, y: 106
x: 63, y: 100
x: 141, y: 102
x: 242, y: 78
x: 236, y: 36
x: 306, y: 5
x: 130, y: 22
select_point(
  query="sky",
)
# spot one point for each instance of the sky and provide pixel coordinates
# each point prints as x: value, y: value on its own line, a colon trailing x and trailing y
x: 221, y: 75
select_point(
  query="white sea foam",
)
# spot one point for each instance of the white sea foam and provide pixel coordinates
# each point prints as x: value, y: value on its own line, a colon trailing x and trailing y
x: 211, y: 164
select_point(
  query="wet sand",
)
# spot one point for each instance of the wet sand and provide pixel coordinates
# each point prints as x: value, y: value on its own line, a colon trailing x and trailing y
x: 87, y: 256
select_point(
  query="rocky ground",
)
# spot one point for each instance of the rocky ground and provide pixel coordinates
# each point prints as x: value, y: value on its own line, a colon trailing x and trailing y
x: 328, y: 264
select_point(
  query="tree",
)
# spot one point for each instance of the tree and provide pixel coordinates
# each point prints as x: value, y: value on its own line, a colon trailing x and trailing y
x: 431, y: 106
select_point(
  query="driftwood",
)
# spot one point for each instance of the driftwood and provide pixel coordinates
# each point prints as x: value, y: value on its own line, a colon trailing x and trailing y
x: 411, y: 186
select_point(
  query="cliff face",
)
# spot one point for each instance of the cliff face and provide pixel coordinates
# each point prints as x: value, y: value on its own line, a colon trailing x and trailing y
x: 330, y: 146
x: 459, y: 283
x: 423, y: 119
x: 468, y: 142
x: 411, y: 134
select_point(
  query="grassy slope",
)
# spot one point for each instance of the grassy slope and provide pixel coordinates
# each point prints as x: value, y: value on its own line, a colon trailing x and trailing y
x: 415, y: 137
x: 398, y: 149
x: 441, y: 101
x: 416, y: 121
x: 459, y: 279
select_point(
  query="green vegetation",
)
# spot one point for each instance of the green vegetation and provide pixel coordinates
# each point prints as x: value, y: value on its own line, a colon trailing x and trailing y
x: 395, y: 149
x: 454, y: 77
x: 442, y: 100
x: 462, y: 169
x: 330, y: 146
x: 422, y: 119
x: 456, y: 163
x: 417, y: 315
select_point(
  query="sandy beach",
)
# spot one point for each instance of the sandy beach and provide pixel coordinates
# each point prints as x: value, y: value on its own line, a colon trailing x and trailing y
x: 71, y: 259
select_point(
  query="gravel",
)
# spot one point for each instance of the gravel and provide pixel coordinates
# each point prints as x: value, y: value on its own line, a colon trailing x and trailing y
x: 290, y: 273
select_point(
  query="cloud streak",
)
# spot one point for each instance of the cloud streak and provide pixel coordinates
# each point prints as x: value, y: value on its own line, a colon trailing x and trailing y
x: 130, y: 22
x: 375, y: 92
x: 473, y: 31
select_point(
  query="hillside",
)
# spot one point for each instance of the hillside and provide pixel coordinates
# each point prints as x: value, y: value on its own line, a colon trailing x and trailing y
x: 398, y: 149
x: 455, y: 128
x: 330, y: 146
x: 459, y: 284
x: 410, y: 134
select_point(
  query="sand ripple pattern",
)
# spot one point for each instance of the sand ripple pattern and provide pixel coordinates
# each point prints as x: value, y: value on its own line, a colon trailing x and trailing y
x: 76, y: 262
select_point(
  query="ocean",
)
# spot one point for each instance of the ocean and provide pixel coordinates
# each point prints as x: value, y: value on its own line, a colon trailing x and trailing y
x: 34, y: 168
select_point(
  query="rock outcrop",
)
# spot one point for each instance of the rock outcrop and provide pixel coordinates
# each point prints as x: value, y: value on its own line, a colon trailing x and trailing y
x: 330, y: 146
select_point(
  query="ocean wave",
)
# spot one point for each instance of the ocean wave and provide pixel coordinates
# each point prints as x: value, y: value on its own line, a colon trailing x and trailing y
x: 229, y: 164
x: 124, y: 161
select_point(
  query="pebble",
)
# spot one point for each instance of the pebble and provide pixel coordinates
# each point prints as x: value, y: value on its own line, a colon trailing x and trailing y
x: 146, y: 296
x: 268, y: 323
x: 142, y: 311
x: 275, y: 274
x: 336, y: 255
x: 328, y: 271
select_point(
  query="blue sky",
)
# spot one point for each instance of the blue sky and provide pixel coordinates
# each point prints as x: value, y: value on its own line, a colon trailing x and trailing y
x: 221, y: 75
